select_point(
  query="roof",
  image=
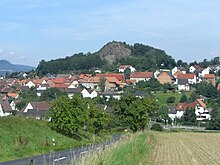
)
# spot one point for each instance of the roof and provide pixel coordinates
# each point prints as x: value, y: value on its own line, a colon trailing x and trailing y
x: 141, y: 75
x: 91, y: 80
x: 35, y: 113
x: 186, y: 76
x: 6, y: 106
x: 40, y: 105
x: 201, y: 103
x: 184, y: 106
x: 13, y: 95
x: 164, y: 74
x: 209, y: 76
x: 109, y: 92
x: 124, y: 66
x: 178, y: 72
x: 59, y: 80
x: 112, y: 80
x: 6, y: 90
x: 61, y: 85
x: 74, y: 90
x: 182, y: 81
x: 181, y: 106
x: 119, y: 76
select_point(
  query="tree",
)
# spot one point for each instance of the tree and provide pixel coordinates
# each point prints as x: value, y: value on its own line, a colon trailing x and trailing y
x: 163, y: 113
x: 214, y: 123
x: 189, y: 116
x: 183, y: 98
x: 73, y: 117
x: 133, y: 111
x: 102, y: 84
x: 171, y: 99
x: 192, y: 97
x: 52, y: 94
x: 127, y: 73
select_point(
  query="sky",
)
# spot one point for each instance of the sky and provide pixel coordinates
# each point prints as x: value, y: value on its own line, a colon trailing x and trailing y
x: 33, y: 30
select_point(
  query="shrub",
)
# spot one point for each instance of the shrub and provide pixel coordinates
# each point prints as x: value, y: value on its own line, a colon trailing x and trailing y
x: 156, y: 127
x: 171, y: 99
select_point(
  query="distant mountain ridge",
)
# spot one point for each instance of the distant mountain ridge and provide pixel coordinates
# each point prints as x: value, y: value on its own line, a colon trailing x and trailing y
x: 6, y: 66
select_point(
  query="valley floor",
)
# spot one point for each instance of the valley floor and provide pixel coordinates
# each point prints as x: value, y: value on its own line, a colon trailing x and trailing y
x: 186, y: 148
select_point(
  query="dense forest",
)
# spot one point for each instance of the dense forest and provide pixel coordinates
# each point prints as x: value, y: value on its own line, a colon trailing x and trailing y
x: 142, y: 57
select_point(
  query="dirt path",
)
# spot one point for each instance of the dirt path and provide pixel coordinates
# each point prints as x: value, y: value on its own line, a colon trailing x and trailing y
x: 186, y: 149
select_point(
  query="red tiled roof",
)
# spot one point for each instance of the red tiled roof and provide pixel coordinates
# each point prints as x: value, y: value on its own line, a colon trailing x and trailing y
x: 141, y: 75
x: 124, y: 66
x: 61, y: 85
x: 112, y: 80
x: 201, y: 103
x: 184, y: 106
x: 209, y: 76
x: 119, y: 76
x: 59, y: 80
x: 181, y: 107
x: 186, y: 76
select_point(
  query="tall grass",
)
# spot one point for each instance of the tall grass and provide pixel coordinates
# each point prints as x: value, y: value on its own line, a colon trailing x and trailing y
x: 133, y: 149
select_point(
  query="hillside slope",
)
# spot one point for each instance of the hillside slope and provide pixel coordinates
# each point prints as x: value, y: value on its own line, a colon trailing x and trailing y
x: 113, y: 54
x: 6, y: 66
x: 20, y: 137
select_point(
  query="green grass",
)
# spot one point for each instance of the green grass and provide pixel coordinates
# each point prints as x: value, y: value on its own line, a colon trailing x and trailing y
x: 162, y: 97
x: 20, y: 137
x: 133, y: 150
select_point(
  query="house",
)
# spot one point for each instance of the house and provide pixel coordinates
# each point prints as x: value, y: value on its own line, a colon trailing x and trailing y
x: 30, y: 84
x: 74, y: 84
x: 141, y: 76
x: 6, y: 108
x: 122, y: 68
x: 201, y: 111
x: 72, y: 91
x: 141, y: 94
x: 110, y: 94
x: 37, y: 110
x: 205, y: 71
x: 95, y: 70
x: 87, y: 93
x: 172, y: 112
x: 91, y: 82
x: 209, y: 78
x: 166, y: 77
x: 176, y: 69
x: 182, y: 107
x: 118, y: 76
x: 183, y: 85
x: 6, y: 90
x: 112, y: 83
x: 193, y: 68
x: 189, y: 76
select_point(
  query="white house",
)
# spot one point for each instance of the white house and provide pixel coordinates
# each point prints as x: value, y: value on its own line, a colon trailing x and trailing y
x: 74, y: 84
x: 175, y: 69
x: 141, y: 76
x: 89, y: 93
x: 123, y: 67
x: 202, y: 113
x: 193, y: 68
x: 30, y: 84
x: 205, y: 71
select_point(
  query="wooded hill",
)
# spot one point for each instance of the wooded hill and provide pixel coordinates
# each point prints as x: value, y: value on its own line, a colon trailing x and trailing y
x: 109, y: 57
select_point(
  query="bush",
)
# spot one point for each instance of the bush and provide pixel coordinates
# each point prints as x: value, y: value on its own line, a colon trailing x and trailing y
x: 156, y: 127
x: 171, y: 99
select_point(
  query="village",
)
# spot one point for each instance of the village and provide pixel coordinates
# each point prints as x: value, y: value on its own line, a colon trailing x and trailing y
x: 89, y: 86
